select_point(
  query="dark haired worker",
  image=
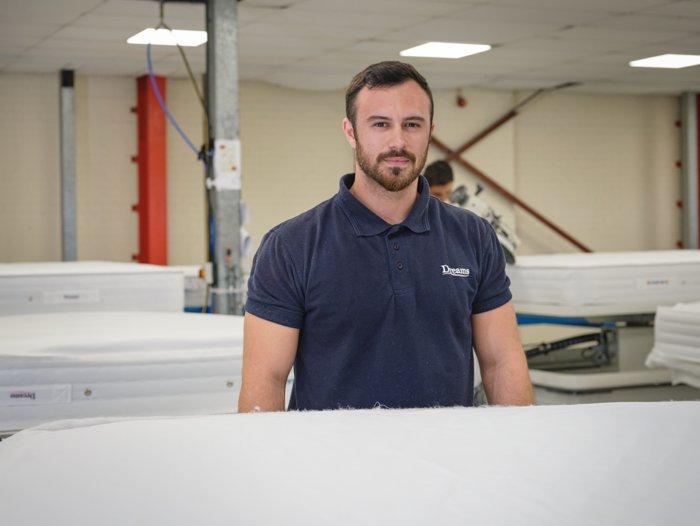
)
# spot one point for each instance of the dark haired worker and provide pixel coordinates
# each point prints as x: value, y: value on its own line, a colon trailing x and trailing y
x: 440, y: 179
x: 377, y: 295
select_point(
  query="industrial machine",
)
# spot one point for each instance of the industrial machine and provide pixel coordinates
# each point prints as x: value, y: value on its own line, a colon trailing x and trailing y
x: 506, y: 233
x: 614, y: 298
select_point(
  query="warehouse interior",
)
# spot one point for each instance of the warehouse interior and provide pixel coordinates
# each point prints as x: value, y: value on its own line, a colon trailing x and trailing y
x: 142, y: 172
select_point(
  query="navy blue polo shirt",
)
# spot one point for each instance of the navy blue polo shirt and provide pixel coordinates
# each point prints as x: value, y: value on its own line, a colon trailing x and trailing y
x: 383, y: 310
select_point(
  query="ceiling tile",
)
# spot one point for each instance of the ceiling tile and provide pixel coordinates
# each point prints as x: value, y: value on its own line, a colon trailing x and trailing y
x: 526, y: 13
x: 463, y: 29
x: 389, y: 7
x: 637, y: 36
x: 613, y: 6
x: 647, y: 23
x: 688, y: 8
x: 42, y: 11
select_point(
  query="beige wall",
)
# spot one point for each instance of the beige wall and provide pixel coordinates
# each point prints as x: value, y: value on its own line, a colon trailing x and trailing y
x: 187, y: 243
x: 603, y: 167
x: 29, y: 168
x: 106, y: 179
x: 600, y: 165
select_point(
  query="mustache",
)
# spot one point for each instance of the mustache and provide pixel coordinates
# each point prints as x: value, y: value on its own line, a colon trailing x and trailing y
x: 397, y: 153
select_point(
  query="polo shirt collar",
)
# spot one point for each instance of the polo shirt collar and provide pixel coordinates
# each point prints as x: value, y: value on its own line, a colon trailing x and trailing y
x: 367, y: 223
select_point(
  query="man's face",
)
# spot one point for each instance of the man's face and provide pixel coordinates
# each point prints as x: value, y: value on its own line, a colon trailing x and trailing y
x: 391, y: 133
x: 442, y: 191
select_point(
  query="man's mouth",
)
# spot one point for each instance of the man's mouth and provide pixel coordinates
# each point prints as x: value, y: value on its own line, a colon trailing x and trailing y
x: 397, y: 161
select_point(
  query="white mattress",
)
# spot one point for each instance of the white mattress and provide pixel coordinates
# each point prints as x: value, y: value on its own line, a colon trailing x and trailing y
x: 677, y: 343
x: 27, y: 288
x: 620, y: 464
x: 638, y: 280
x: 89, y: 364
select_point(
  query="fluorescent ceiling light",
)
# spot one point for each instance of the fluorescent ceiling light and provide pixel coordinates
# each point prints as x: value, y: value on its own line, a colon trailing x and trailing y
x: 667, y: 61
x: 164, y: 37
x: 444, y: 50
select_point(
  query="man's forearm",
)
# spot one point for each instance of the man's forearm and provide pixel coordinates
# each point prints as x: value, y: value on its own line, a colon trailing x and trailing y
x: 261, y: 395
x: 508, y: 383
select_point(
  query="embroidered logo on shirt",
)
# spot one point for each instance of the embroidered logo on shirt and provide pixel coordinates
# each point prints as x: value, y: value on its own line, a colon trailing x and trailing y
x: 457, y: 272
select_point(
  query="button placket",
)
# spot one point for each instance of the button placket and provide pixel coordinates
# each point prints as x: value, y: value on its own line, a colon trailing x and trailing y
x: 398, y: 261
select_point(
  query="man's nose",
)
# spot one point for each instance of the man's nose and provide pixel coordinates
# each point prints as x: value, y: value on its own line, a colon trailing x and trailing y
x: 397, y: 141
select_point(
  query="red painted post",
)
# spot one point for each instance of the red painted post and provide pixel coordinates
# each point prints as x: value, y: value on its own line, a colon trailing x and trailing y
x: 151, y: 159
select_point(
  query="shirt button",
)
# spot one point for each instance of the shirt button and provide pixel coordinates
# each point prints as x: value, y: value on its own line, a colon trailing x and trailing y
x: 399, y: 265
x: 396, y: 246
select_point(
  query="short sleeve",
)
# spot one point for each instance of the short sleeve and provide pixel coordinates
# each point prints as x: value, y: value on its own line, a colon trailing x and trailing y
x: 274, y: 287
x: 494, y: 285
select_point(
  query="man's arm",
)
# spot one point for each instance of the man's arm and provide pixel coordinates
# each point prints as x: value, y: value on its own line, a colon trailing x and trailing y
x: 501, y: 357
x: 269, y: 350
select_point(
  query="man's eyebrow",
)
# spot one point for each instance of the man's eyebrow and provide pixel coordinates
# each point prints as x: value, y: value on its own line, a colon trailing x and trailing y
x: 378, y: 118
x: 384, y: 118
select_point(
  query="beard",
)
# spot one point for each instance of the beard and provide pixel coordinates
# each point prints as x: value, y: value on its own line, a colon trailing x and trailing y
x: 392, y: 179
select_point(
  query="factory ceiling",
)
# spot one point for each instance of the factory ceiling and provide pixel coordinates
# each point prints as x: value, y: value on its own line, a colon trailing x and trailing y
x: 320, y: 44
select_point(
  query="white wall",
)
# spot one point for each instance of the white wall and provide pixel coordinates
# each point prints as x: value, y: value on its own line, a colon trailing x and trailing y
x: 600, y: 165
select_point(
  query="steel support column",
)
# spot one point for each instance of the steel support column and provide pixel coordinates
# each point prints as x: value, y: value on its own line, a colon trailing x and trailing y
x: 690, y: 118
x: 69, y: 250
x: 223, y: 175
x: 151, y: 159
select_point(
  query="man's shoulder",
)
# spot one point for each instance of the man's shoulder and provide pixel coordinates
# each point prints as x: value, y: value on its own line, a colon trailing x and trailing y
x: 454, y: 216
x: 304, y: 225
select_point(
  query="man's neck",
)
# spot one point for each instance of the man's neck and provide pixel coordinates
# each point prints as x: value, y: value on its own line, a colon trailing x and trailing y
x: 392, y: 207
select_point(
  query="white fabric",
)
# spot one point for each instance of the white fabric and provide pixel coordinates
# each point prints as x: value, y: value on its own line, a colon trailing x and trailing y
x: 621, y: 464
x: 27, y: 288
x: 86, y: 364
x: 644, y: 279
x: 677, y: 342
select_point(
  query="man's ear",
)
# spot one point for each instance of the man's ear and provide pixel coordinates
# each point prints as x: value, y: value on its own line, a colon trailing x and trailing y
x: 349, y: 132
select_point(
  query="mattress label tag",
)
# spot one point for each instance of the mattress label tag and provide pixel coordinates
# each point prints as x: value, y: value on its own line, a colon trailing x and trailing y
x: 35, y: 395
x: 656, y: 283
x: 72, y: 296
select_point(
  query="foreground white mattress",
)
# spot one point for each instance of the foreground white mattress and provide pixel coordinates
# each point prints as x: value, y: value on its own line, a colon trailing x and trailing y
x: 677, y: 343
x: 640, y: 281
x: 89, y: 364
x: 27, y: 288
x: 613, y: 464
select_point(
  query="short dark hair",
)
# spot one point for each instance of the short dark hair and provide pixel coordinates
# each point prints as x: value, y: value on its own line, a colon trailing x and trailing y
x: 439, y: 172
x: 383, y: 74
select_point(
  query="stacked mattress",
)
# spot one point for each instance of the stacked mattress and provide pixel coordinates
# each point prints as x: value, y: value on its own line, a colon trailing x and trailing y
x: 88, y: 364
x: 677, y: 343
x: 27, y: 288
x: 613, y: 464
x: 639, y: 281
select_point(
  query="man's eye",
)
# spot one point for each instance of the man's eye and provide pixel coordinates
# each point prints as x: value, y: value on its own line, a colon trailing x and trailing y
x: 380, y: 124
x: 413, y: 125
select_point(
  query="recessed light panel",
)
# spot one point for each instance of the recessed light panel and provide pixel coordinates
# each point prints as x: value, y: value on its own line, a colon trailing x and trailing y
x: 165, y: 37
x: 444, y: 50
x: 667, y: 61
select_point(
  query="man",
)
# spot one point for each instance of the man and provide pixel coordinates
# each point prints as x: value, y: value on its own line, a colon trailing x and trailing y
x: 440, y: 179
x: 376, y: 295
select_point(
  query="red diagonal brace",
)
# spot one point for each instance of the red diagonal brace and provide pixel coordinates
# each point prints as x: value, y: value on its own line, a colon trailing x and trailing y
x: 508, y: 195
x: 482, y: 134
